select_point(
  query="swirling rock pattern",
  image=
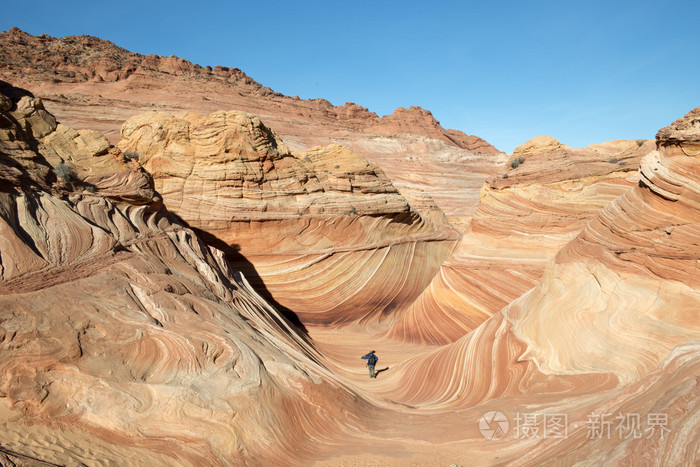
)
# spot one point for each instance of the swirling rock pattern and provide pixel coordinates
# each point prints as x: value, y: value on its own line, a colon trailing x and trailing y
x: 124, y: 338
x: 631, y: 276
x: 323, y: 231
x: 518, y: 227
x: 122, y: 335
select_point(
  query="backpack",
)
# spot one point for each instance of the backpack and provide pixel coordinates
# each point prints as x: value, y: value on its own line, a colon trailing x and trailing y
x: 372, y: 359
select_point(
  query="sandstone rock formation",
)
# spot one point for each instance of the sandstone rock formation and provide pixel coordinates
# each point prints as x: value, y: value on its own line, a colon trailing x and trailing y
x: 634, y: 269
x: 125, y: 338
x: 122, y: 335
x: 324, y: 230
x: 615, y: 313
x: 91, y: 83
x: 524, y: 217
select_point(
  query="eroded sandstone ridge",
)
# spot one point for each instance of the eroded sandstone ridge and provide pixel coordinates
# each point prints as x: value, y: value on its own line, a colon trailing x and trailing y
x: 325, y: 231
x: 544, y: 197
x: 616, y: 309
x: 91, y: 83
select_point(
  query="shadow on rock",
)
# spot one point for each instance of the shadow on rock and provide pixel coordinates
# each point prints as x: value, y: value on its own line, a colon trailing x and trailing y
x: 376, y: 373
x: 238, y: 262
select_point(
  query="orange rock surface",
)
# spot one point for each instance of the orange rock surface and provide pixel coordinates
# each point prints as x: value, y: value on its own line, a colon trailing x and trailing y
x: 122, y: 335
x: 524, y: 217
x: 324, y: 231
x: 569, y: 307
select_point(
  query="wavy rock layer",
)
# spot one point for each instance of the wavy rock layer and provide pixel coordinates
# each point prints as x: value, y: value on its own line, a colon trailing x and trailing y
x: 125, y: 338
x: 611, y: 330
x: 518, y: 227
x: 323, y: 231
x: 629, y: 283
x: 122, y: 335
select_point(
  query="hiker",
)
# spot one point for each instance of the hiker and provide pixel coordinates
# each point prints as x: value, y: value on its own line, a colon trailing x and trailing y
x: 371, y: 362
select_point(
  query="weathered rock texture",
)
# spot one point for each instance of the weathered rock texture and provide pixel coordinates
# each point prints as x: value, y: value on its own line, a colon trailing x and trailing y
x: 324, y: 230
x: 123, y: 337
x: 615, y: 312
x: 629, y: 283
x: 91, y: 83
x: 524, y: 217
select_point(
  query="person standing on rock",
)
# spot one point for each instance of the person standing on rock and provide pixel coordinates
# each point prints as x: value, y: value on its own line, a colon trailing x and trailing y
x: 371, y: 362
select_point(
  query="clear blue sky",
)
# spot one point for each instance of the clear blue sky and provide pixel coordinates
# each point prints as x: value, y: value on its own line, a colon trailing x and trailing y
x: 583, y: 72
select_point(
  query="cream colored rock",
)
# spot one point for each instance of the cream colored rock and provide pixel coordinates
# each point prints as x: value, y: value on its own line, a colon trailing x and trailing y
x: 91, y: 83
x: 538, y: 144
x: 324, y: 231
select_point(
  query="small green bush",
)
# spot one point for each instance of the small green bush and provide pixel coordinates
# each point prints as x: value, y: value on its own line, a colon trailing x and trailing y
x: 505, y: 175
x: 613, y: 160
x: 132, y: 155
x: 514, y: 163
x: 521, y: 159
x: 307, y: 158
x: 640, y: 142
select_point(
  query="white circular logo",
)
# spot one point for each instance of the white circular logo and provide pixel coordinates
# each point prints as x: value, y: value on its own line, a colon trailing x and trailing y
x: 493, y: 425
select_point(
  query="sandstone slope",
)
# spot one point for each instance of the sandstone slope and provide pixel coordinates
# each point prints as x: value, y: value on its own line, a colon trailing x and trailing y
x: 524, y: 217
x: 126, y: 338
x: 610, y: 330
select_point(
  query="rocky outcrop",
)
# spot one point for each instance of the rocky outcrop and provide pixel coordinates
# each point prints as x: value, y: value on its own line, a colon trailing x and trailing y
x: 626, y: 285
x: 634, y: 267
x: 614, y: 313
x: 326, y: 219
x: 122, y: 335
x: 91, y: 83
x: 125, y: 337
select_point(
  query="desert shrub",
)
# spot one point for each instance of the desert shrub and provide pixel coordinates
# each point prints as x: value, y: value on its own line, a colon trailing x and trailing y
x: 514, y: 163
x: 505, y: 175
x: 621, y: 163
x: 307, y: 158
x: 613, y: 160
x: 353, y: 211
x: 132, y: 155
x: 521, y: 159
x: 640, y: 142
x: 64, y: 171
